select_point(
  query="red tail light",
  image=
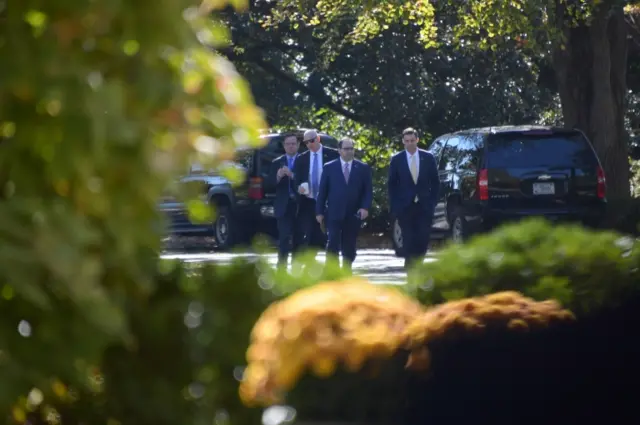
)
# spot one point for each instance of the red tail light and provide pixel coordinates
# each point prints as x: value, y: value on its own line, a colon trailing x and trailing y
x: 602, y: 184
x: 483, y: 185
x: 256, y: 190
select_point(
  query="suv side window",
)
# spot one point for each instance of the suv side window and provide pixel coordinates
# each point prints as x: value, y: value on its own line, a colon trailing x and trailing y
x: 275, y: 146
x: 450, y: 155
x: 436, y: 149
x: 265, y: 155
x: 470, y: 150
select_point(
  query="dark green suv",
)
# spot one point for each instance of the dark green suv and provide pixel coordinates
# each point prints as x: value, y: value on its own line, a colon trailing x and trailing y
x: 241, y: 211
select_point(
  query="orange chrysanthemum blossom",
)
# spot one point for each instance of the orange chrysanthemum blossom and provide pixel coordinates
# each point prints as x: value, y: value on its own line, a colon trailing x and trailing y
x: 345, y: 322
x: 509, y: 311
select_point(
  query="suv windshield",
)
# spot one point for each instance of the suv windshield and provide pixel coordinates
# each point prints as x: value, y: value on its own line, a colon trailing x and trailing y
x: 515, y: 150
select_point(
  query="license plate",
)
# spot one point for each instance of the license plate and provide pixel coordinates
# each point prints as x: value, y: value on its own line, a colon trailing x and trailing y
x: 544, y: 189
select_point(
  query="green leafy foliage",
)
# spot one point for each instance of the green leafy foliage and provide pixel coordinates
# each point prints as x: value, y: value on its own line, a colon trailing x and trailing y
x: 102, y: 104
x: 371, y: 91
x: 635, y: 178
x: 187, y: 358
x: 556, y: 39
x: 372, y: 17
x: 187, y: 351
x: 485, y: 22
x: 582, y: 269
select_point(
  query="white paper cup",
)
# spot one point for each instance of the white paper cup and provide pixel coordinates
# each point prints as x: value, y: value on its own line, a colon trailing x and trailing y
x: 305, y: 188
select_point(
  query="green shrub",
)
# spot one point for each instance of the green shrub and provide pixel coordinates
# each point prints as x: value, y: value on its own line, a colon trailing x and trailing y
x: 185, y: 352
x: 183, y: 360
x: 583, y: 269
x: 379, y: 220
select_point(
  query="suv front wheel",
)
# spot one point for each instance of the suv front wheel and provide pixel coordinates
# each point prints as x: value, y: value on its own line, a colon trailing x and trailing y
x: 459, y: 228
x: 224, y: 228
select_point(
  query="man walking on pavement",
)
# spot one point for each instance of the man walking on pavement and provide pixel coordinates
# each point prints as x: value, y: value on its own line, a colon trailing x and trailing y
x: 413, y: 186
x: 285, y: 204
x: 307, y: 174
x: 344, y: 200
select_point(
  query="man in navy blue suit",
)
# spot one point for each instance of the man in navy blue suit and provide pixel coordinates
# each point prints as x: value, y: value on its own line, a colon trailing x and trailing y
x: 413, y: 186
x: 285, y: 204
x: 344, y: 200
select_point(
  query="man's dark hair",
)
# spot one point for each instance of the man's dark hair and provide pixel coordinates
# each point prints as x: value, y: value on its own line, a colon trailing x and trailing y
x: 285, y: 136
x: 409, y: 131
x: 346, y: 139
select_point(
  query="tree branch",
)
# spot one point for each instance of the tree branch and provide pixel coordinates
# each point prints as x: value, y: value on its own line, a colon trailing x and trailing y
x: 318, y: 95
x: 634, y: 28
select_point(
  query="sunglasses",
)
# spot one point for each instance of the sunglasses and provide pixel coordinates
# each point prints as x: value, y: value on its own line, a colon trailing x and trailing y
x: 306, y: 142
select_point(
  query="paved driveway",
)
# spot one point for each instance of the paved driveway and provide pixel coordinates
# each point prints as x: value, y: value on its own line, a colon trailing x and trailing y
x: 377, y: 265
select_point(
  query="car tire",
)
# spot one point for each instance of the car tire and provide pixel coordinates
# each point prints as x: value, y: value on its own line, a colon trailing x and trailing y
x: 459, y: 228
x: 396, y: 238
x: 225, y: 230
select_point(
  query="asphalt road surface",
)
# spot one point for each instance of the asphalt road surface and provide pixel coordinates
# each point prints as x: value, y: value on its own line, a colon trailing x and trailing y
x: 377, y: 265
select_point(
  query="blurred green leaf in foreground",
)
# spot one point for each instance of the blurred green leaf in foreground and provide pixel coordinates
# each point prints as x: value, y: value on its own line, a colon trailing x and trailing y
x: 102, y: 104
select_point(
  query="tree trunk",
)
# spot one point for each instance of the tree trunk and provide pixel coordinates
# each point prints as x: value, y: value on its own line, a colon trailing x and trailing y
x: 591, y: 69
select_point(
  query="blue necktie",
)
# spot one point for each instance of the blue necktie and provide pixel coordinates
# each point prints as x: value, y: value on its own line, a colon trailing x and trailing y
x: 315, y: 184
x: 290, y: 162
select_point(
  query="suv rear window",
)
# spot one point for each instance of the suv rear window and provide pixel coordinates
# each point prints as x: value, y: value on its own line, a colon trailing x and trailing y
x: 513, y: 150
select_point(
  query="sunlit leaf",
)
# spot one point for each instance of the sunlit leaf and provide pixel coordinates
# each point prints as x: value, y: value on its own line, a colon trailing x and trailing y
x: 199, y: 211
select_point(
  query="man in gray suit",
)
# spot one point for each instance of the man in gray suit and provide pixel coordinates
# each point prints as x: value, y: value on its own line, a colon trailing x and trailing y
x: 307, y: 176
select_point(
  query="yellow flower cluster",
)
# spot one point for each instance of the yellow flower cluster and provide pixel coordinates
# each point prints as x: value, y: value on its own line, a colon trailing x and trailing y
x: 506, y: 310
x: 351, y: 321
x: 344, y: 322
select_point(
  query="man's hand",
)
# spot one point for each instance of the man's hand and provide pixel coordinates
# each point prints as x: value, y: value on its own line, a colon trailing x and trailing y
x: 284, y: 171
x: 320, y: 218
x: 363, y: 213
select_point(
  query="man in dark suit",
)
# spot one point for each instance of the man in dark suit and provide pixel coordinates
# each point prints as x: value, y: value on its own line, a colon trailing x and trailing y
x: 308, y: 173
x: 413, y: 185
x: 344, y: 200
x: 285, y: 204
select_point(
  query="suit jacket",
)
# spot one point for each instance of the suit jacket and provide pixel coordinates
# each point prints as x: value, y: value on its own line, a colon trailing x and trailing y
x: 301, y: 172
x: 338, y: 199
x: 282, y: 186
x: 402, y: 190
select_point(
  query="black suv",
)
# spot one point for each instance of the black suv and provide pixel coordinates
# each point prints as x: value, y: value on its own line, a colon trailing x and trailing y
x: 241, y: 211
x: 496, y: 174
